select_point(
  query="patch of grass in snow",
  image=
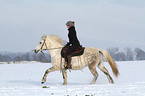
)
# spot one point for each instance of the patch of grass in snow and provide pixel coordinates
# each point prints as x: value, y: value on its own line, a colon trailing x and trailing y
x: 78, y: 95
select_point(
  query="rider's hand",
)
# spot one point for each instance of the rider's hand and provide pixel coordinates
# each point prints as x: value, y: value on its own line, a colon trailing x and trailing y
x: 68, y: 44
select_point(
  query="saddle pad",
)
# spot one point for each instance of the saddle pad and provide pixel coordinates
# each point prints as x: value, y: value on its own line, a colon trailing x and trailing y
x: 78, y: 52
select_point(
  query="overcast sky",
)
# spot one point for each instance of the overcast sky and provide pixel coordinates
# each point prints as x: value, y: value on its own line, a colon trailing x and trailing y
x: 99, y: 23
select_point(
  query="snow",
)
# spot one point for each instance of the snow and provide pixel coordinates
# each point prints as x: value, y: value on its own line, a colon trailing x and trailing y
x: 25, y: 80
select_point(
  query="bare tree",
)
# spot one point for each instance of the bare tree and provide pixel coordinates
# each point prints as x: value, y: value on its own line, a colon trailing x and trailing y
x: 1, y: 58
x: 17, y: 58
x: 140, y: 54
x: 26, y: 57
x: 120, y: 56
x: 113, y: 51
x: 128, y: 53
x: 7, y: 58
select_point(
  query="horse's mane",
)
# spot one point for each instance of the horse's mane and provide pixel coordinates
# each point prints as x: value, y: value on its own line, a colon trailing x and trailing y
x: 58, y: 39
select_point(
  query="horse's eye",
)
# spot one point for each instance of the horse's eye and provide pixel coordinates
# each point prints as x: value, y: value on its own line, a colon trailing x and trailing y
x: 40, y: 42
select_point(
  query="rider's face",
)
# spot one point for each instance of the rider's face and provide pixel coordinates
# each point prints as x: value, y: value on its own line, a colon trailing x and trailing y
x: 67, y: 26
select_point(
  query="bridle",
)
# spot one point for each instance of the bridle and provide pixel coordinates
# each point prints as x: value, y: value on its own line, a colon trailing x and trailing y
x: 44, y: 43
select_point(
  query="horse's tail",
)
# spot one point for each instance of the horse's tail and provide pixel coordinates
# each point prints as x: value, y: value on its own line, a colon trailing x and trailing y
x: 110, y: 61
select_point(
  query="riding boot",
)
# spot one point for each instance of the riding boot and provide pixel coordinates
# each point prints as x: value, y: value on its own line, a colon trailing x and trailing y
x: 69, y: 61
x: 68, y: 65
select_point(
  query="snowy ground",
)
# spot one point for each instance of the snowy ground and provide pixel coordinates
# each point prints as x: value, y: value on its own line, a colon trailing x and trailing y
x: 24, y: 80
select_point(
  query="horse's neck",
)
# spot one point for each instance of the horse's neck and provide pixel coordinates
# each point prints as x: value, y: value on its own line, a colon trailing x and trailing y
x: 52, y: 45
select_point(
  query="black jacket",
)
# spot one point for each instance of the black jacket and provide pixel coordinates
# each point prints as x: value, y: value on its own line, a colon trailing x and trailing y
x: 73, y: 37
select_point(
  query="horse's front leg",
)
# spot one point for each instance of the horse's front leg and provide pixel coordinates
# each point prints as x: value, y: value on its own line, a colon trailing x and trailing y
x: 64, y: 74
x: 46, y: 73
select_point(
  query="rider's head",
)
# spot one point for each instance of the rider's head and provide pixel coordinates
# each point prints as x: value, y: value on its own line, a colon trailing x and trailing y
x: 70, y: 24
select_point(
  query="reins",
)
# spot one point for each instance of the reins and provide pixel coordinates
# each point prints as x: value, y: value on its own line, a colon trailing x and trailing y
x: 53, y: 48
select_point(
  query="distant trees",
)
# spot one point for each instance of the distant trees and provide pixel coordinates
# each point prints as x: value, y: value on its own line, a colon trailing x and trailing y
x: 113, y: 51
x: 1, y: 58
x: 29, y: 56
x: 116, y: 55
x: 120, y: 56
x: 17, y: 58
x: 4, y: 58
x: 140, y: 54
x: 127, y: 55
x: 41, y: 57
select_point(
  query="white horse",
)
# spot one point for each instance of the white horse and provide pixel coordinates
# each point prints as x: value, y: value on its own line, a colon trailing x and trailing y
x: 92, y: 58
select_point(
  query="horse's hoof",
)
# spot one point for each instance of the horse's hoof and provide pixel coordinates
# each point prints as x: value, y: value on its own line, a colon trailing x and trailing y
x: 112, y: 82
x: 64, y: 84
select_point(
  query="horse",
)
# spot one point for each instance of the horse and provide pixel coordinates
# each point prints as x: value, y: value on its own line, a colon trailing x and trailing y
x: 91, y: 57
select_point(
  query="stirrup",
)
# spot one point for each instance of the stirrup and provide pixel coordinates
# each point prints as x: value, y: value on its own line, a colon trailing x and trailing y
x: 66, y: 66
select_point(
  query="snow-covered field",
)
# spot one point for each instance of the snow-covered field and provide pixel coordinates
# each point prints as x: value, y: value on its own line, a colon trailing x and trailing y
x: 25, y: 79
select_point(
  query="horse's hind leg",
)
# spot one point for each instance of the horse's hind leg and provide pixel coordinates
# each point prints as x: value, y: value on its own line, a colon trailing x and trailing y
x: 46, y: 73
x: 105, y: 71
x: 94, y: 72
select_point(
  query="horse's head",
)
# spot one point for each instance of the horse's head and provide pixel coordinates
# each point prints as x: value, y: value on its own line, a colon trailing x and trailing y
x: 48, y: 42
x: 42, y: 45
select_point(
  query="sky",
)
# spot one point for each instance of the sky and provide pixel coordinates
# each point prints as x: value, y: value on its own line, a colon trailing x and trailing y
x: 99, y: 23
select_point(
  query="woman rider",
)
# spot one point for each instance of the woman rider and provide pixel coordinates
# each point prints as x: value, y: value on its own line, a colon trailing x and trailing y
x: 72, y: 45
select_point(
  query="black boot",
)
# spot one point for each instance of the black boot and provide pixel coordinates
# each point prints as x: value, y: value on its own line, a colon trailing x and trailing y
x: 68, y: 66
x: 69, y: 61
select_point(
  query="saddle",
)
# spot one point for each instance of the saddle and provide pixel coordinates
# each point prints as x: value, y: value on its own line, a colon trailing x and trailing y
x: 78, y: 52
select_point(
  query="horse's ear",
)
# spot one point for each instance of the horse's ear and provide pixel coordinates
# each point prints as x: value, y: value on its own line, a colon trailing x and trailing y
x: 44, y: 36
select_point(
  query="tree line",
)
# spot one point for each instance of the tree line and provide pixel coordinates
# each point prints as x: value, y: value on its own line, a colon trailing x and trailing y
x: 29, y: 56
x: 127, y: 54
